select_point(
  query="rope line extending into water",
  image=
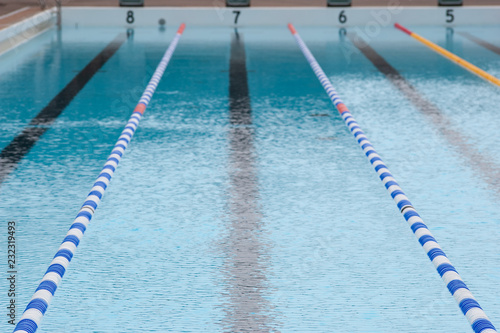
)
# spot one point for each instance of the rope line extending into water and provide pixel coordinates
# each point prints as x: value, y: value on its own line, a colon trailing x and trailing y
x: 466, y: 301
x: 453, y: 57
x: 34, y: 312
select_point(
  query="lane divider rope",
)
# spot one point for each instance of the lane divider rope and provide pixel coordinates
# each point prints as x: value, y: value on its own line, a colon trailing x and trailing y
x: 34, y: 312
x: 447, y: 54
x: 466, y: 301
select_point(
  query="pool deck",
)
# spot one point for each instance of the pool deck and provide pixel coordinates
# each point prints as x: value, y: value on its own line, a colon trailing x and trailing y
x: 272, y: 3
x: 11, y: 14
x: 13, y: 11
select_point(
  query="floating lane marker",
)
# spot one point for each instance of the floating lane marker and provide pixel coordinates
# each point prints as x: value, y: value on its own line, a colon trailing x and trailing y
x: 447, y: 54
x: 466, y: 301
x: 40, y: 301
x: 455, y: 138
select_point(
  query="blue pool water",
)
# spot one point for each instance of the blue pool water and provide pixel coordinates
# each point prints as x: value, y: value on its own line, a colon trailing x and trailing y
x: 308, y: 240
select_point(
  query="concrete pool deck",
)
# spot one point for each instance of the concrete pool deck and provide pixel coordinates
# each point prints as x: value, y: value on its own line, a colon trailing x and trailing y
x: 10, y: 15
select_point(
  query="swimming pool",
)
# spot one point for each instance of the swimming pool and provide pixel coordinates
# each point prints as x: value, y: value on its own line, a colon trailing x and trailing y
x: 271, y: 220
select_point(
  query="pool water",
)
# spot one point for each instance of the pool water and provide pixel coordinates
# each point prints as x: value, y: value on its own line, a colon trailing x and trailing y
x: 277, y: 224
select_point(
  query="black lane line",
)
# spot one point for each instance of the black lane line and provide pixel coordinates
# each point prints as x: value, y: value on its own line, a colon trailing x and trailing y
x: 15, y: 151
x: 239, y: 97
x: 487, y: 168
x: 480, y: 42
x: 247, y: 309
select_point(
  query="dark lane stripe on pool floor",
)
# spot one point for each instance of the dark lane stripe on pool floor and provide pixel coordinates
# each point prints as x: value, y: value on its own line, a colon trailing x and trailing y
x: 247, y: 309
x: 480, y: 42
x: 488, y: 169
x: 240, y: 111
x: 15, y: 151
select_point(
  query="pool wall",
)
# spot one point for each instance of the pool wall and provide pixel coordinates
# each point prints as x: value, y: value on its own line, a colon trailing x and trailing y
x: 371, y: 17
